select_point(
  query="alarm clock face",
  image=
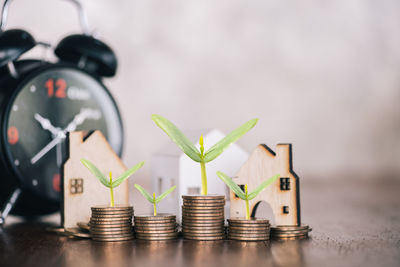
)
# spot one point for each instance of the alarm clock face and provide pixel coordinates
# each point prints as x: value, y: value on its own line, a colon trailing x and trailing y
x: 41, y: 112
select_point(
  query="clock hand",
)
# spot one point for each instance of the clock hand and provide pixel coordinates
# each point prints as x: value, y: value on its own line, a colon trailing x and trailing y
x: 59, y: 154
x: 78, y: 120
x: 48, y: 147
x: 46, y: 124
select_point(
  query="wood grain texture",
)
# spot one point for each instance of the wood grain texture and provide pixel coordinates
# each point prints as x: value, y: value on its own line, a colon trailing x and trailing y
x: 76, y: 206
x: 350, y: 228
x: 262, y: 164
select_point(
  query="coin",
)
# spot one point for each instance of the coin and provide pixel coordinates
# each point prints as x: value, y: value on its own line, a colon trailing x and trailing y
x: 289, y: 227
x: 156, y: 238
x: 77, y: 232
x: 83, y: 225
x: 203, y: 211
x: 112, y: 230
x: 157, y: 234
x: 115, y: 208
x: 124, y: 221
x: 291, y: 238
x: 200, y: 208
x: 290, y: 232
x: 248, y: 235
x: 111, y: 216
x: 203, y: 216
x: 203, y: 224
x: 204, y: 238
x: 202, y: 231
x: 125, y: 238
x: 236, y: 220
x: 155, y: 231
x: 209, y: 196
x: 109, y: 219
x: 204, y: 227
x: 248, y: 238
x: 159, y: 216
x: 155, y: 227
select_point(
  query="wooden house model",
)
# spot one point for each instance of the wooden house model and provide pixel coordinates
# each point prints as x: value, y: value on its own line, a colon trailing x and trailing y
x: 81, y: 189
x: 170, y: 166
x: 282, y: 195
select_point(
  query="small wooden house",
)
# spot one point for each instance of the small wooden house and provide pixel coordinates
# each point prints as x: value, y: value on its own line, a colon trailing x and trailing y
x: 282, y: 195
x: 170, y: 166
x: 81, y: 189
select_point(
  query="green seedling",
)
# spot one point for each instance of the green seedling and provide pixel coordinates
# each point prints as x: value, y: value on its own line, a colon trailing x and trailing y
x: 245, y: 195
x: 153, y: 199
x: 109, y: 182
x: 200, y: 156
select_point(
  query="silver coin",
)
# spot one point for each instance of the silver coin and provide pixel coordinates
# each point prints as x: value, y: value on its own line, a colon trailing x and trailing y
x: 199, y: 208
x: 144, y: 235
x: 290, y: 238
x: 75, y: 231
x: 205, y: 238
x: 199, y: 224
x: 157, y: 238
x: 248, y: 238
x: 83, y: 225
x: 203, y: 211
x: 155, y: 231
x: 288, y: 235
x: 208, y: 231
x: 123, y: 216
x: 250, y: 221
x: 289, y: 227
x: 115, y: 239
x: 291, y: 232
x: 249, y: 235
x: 159, y: 216
x: 209, y: 196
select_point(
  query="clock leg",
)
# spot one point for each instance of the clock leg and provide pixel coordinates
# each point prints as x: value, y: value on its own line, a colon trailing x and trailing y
x: 9, y: 205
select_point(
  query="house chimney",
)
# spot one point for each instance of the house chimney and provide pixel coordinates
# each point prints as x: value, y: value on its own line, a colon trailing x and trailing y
x: 284, y: 155
x: 75, y: 139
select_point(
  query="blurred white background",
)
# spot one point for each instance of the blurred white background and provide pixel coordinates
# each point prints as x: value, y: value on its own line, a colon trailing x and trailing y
x: 323, y: 75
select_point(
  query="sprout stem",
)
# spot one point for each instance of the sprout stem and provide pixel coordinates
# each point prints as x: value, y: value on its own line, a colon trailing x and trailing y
x: 111, y: 191
x: 247, y: 203
x: 203, y: 178
x: 154, y: 204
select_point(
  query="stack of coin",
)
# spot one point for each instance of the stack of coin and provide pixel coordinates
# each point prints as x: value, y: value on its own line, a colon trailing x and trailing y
x: 111, y: 223
x: 203, y: 217
x: 254, y: 229
x: 290, y: 232
x: 160, y: 227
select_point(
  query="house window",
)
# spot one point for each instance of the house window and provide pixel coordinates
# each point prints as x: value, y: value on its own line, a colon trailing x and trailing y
x: 241, y: 187
x: 76, y: 186
x: 285, y: 209
x: 285, y: 183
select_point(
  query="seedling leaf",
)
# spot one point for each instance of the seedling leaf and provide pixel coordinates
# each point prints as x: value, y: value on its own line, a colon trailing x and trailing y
x: 144, y: 193
x: 262, y: 186
x: 232, y: 185
x: 224, y: 143
x: 178, y: 137
x: 96, y: 172
x: 127, y: 174
x: 166, y: 193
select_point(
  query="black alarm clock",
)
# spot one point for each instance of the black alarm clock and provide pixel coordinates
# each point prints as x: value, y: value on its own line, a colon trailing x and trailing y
x: 40, y: 102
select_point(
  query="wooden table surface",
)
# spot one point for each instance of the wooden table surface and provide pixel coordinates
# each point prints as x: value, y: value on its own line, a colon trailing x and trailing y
x: 355, y: 223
